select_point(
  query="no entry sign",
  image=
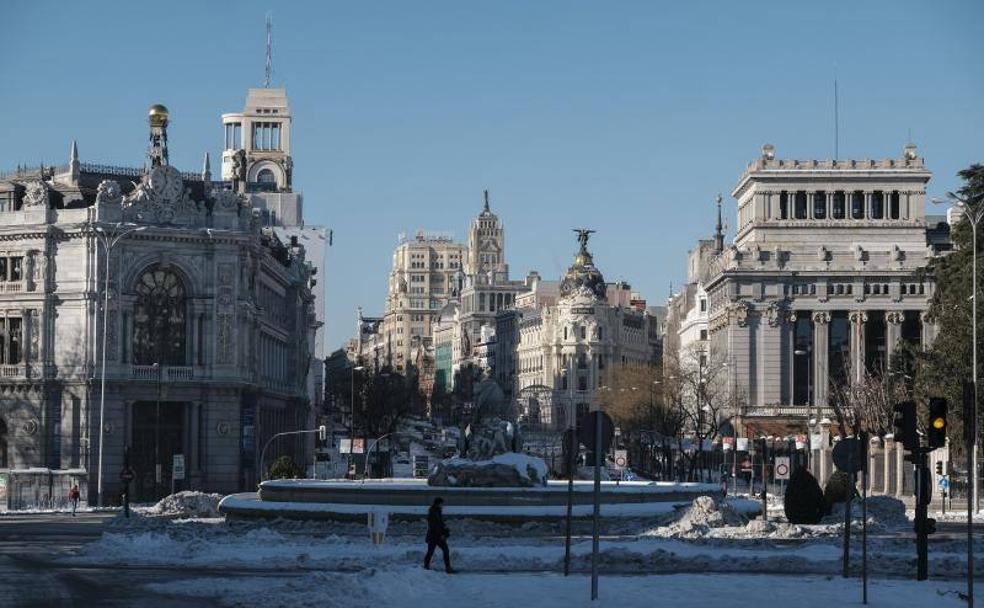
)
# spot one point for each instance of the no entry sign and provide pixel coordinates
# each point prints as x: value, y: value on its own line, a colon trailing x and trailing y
x: 782, y: 467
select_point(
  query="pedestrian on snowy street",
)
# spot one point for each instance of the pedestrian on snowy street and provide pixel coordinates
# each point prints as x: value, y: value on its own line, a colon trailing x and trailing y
x: 437, y: 535
x: 73, y: 497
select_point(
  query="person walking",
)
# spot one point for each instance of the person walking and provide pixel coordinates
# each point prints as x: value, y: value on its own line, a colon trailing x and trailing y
x: 73, y: 497
x: 437, y: 535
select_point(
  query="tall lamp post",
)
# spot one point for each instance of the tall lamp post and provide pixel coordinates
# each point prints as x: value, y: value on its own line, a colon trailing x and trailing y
x: 108, y: 239
x: 356, y: 368
x: 974, y: 217
x: 805, y: 352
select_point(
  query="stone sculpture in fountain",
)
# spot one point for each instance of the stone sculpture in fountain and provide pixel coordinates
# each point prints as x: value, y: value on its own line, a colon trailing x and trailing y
x: 490, y: 451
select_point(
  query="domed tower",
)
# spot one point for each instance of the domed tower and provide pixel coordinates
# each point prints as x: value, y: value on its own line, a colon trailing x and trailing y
x: 583, y: 278
x: 487, y: 248
x: 158, y: 117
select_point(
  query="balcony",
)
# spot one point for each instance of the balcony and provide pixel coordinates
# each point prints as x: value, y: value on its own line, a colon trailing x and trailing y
x: 11, y: 287
x: 170, y: 373
x: 11, y: 371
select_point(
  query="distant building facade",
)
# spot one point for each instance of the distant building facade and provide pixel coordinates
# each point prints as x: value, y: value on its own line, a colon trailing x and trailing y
x: 211, y: 328
x: 821, y: 283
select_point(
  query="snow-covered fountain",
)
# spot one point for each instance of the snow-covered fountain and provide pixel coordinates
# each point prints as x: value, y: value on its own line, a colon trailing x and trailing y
x: 489, y: 454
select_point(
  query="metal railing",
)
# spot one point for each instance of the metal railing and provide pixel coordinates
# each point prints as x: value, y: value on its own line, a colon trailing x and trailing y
x: 170, y: 373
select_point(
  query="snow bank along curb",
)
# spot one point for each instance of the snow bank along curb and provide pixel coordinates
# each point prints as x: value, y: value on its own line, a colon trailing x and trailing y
x: 247, y: 505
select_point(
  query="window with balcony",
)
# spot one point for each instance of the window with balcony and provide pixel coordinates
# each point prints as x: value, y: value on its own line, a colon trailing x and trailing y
x: 11, y: 269
x: 11, y: 340
x: 159, y: 318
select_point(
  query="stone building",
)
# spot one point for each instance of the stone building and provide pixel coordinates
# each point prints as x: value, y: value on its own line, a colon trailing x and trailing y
x: 211, y: 324
x: 426, y: 275
x: 821, y: 282
x: 563, y: 350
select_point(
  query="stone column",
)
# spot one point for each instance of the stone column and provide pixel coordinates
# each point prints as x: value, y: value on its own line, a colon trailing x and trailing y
x: 809, y: 205
x: 867, y: 205
x: 857, y: 318
x: 893, y: 331
x: 821, y: 380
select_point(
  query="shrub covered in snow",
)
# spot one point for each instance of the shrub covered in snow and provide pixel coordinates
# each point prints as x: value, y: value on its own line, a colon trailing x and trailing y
x: 837, y: 489
x: 804, y: 503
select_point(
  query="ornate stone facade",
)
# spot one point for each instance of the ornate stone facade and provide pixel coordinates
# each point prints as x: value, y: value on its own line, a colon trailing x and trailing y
x: 176, y: 313
x: 821, y: 283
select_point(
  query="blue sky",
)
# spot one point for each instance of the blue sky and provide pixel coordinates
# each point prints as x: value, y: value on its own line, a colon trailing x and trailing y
x: 627, y: 117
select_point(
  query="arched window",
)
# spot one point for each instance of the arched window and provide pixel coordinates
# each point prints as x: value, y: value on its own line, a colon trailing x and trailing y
x: 266, y: 176
x: 159, y: 319
x: 3, y: 445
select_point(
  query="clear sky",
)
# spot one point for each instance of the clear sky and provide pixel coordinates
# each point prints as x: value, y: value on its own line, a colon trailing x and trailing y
x: 625, y: 117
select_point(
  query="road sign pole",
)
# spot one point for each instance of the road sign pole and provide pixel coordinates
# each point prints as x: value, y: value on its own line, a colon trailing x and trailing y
x: 864, y: 517
x: 599, y: 458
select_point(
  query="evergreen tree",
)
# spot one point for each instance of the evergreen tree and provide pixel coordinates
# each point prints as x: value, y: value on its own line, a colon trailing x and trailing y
x: 948, y: 363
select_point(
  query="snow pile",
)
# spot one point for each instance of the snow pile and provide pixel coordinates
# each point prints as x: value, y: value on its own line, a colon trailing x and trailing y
x: 700, y: 517
x: 883, y: 511
x: 187, y: 504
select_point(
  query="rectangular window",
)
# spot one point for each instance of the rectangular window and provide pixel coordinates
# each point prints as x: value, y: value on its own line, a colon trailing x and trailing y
x: 3, y: 269
x: 783, y: 205
x: 857, y: 205
x: 703, y: 334
x: 877, y: 205
x: 838, y: 210
x: 820, y: 205
x: 801, y: 205
x: 582, y: 383
x: 584, y: 332
x: 703, y: 305
x: 893, y: 206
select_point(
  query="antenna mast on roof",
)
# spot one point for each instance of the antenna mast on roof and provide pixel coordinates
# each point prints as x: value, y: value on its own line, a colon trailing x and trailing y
x: 268, y: 67
x: 836, y: 124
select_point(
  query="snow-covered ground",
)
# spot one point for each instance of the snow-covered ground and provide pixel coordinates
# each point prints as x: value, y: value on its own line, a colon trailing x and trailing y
x: 405, y: 587
x: 704, y: 537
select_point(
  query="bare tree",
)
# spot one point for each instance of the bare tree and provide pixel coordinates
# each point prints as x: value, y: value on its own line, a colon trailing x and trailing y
x: 864, y: 401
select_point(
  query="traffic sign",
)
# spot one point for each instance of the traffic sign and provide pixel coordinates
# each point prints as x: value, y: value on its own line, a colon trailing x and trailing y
x: 586, y: 431
x: 782, y: 467
x: 848, y: 455
x: 621, y: 458
x: 178, y: 467
x: 944, y: 483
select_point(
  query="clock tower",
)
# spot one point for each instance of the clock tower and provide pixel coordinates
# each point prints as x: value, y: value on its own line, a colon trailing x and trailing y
x: 486, y: 249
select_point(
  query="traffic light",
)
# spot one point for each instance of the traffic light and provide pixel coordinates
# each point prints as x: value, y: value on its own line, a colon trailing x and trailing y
x: 905, y: 424
x: 936, y: 429
x: 939, y: 468
x: 322, y: 432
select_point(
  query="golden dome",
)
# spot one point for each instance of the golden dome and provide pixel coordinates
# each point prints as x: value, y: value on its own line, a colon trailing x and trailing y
x: 158, y: 115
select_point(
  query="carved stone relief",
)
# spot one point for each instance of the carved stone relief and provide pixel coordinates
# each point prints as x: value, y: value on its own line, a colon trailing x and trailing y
x: 36, y: 195
x: 108, y: 192
x: 224, y: 338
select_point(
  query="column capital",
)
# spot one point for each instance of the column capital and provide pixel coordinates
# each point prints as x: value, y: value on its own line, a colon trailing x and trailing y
x: 821, y: 317
x: 858, y: 317
x: 895, y: 317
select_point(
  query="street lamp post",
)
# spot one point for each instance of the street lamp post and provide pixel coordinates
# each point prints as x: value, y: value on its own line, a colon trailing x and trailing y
x: 108, y: 241
x: 356, y: 368
x: 809, y: 393
x: 974, y: 217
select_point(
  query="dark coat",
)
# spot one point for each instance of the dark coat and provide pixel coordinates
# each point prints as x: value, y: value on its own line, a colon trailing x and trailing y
x: 436, y: 530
